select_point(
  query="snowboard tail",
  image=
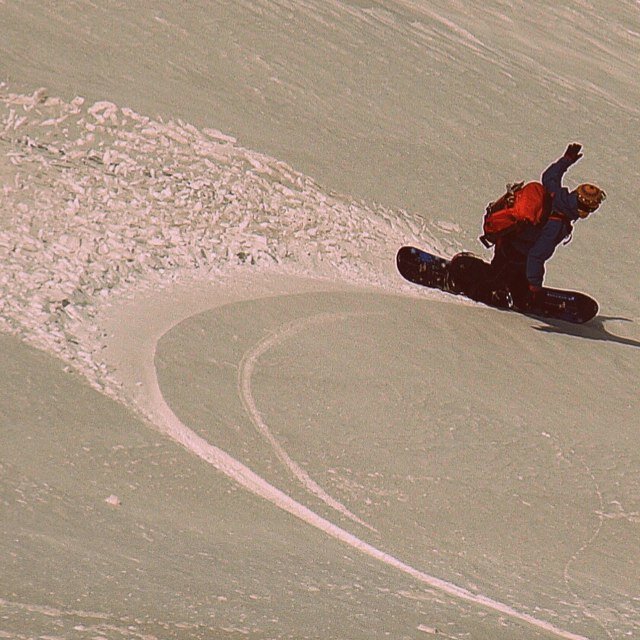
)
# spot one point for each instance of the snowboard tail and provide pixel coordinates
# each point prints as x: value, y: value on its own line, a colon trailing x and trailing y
x: 423, y: 268
x: 428, y: 270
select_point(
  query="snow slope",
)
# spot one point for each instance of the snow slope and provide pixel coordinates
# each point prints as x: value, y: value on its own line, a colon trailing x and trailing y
x: 239, y: 420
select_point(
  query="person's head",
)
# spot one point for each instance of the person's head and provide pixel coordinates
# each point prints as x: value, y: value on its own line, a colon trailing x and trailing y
x: 590, y: 198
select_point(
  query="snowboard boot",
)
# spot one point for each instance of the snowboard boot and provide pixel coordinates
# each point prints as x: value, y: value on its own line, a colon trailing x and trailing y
x: 468, y: 275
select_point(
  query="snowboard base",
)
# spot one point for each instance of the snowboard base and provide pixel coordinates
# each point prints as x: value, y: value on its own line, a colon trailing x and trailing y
x: 428, y: 270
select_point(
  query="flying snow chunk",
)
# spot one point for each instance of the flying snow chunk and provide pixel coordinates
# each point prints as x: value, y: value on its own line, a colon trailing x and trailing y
x: 103, y: 111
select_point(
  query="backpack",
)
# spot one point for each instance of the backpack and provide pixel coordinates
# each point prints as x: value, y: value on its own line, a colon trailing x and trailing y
x: 522, y: 205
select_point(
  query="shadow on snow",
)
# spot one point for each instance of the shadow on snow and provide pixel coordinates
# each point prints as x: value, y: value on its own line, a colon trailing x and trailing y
x: 594, y: 330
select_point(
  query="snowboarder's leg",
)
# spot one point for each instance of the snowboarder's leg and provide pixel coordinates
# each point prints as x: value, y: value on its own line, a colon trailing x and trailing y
x: 502, y: 283
x: 509, y: 282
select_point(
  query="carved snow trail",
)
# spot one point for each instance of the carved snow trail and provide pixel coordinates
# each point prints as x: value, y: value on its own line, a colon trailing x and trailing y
x: 245, y: 373
x: 168, y: 423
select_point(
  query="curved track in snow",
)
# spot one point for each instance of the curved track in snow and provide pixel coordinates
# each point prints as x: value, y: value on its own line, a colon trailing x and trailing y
x: 245, y: 373
x: 160, y: 413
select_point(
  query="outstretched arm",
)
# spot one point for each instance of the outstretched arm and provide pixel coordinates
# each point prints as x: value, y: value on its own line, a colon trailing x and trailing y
x: 552, y: 178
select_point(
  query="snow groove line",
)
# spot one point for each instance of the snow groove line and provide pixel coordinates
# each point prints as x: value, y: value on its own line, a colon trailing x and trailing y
x: 592, y: 538
x: 586, y: 545
x: 245, y: 477
x: 245, y: 373
x: 169, y: 424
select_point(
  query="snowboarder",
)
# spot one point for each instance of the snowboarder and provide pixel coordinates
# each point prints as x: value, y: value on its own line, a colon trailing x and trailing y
x: 515, y: 276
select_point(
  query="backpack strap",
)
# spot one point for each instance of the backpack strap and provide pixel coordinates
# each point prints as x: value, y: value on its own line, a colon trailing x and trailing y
x: 568, y: 226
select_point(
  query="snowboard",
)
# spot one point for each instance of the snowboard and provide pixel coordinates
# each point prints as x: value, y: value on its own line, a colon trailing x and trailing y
x: 429, y: 270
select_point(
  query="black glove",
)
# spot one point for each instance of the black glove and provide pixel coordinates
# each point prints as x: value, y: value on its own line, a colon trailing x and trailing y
x: 573, y: 152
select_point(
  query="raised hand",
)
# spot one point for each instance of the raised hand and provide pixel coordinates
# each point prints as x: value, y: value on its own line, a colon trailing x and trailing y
x: 573, y: 152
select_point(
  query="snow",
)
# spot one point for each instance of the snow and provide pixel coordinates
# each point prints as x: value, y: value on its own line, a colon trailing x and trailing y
x: 237, y: 419
x: 132, y: 202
